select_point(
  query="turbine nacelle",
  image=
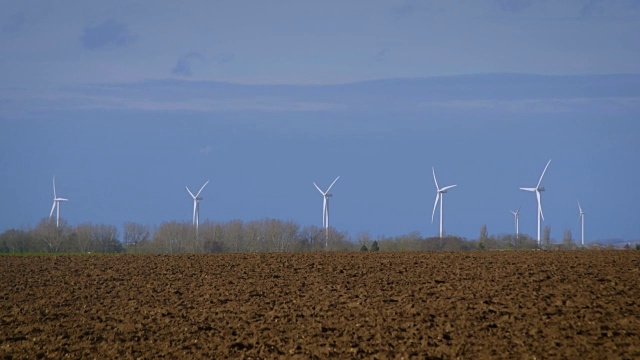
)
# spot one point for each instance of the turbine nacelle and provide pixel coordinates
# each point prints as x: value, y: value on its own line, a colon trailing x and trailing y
x: 540, y: 189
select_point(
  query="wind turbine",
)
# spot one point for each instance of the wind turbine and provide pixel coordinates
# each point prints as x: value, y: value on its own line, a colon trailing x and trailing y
x: 538, y: 190
x: 516, y: 214
x: 439, y: 196
x: 196, y: 205
x: 56, y: 204
x: 325, y: 208
x: 581, y: 217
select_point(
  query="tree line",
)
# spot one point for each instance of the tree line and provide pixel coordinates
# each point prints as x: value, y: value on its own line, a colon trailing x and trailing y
x: 266, y: 235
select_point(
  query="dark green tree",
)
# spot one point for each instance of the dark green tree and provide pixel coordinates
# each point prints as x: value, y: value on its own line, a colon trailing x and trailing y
x: 374, y: 246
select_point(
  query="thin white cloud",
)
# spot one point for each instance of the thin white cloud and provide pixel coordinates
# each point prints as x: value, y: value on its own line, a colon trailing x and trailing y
x: 109, y: 33
x: 206, y: 150
x: 184, y: 65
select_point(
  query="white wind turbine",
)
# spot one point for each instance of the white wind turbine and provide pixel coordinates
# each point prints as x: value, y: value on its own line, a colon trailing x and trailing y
x: 325, y: 208
x: 516, y: 215
x: 196, y: 205
x: 439, y: 196
x: 56, y: 204
x: 538, y: 190
x: 581, y: 218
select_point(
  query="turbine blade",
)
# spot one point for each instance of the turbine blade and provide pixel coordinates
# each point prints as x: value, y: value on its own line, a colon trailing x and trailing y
x: 321, y: 192
x: 434, y: 206
x: 199, y: 191
x: 448, y: 187
x: 54, y: 187
x: 539, y: 204
x: 334, y: 181
x: 52, y: 208
x: 543, y: 171
x: 518, y: 211
x: 528, y: 189
x: 580, y: 207
x: 190, y: 193
x: 433, y: 170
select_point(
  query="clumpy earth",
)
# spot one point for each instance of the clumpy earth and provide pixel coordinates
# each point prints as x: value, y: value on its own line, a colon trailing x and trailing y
x: 509, y: 304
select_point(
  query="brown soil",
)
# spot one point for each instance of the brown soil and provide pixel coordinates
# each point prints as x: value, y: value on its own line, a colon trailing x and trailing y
x: 512, y: 305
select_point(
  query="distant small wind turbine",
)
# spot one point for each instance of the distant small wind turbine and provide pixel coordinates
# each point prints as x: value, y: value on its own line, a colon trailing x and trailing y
x: 196, y: 205
x: 439, y: 196
x: 581, y: 219
x: 56, y: 204
x: 325, y: 208
x: 538, y: 190
x: 516, y: 214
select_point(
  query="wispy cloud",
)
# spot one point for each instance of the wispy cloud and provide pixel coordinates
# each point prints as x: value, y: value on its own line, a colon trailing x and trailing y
x: 532, y: 94
x: 514, y: 6
x: 411, y: 7
x: 108, y: 33
x: 184, y: 65
x: 223, y: 58
x: 408, y: 7
x: 537, y: 106
x: 380, y: 55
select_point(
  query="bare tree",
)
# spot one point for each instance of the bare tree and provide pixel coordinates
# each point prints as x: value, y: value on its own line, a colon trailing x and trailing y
x: 546, y: 237
x: 136, y: 235
x: 172, y: 237
x: 289, y: 235
x: 83, y: 238
x: 567, y: 240
x: 311, y: 238
x: 484, y: 235
x: 105, y: 238
x: 234, y: 235
x: 16, y: 241
x: 364, y: 239
x: 51, y: 235
x: 211, y: 237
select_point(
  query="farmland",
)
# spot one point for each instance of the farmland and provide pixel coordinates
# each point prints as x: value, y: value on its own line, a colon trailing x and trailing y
x: 500, y: 304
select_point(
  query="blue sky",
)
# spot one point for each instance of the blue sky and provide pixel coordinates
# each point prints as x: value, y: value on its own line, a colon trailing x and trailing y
x: 128, y: 102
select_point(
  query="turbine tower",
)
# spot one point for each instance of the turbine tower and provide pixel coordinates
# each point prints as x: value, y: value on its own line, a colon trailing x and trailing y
x: 516, y: 214
x: 439, y: 196
x: 56, y: 204
x: 581, y: 218
x: 538, y: 190
x: 325, y: 208
x: 196, y: 205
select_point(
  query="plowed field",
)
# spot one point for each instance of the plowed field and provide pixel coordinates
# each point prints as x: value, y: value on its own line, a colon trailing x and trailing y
x: 512, y: 305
